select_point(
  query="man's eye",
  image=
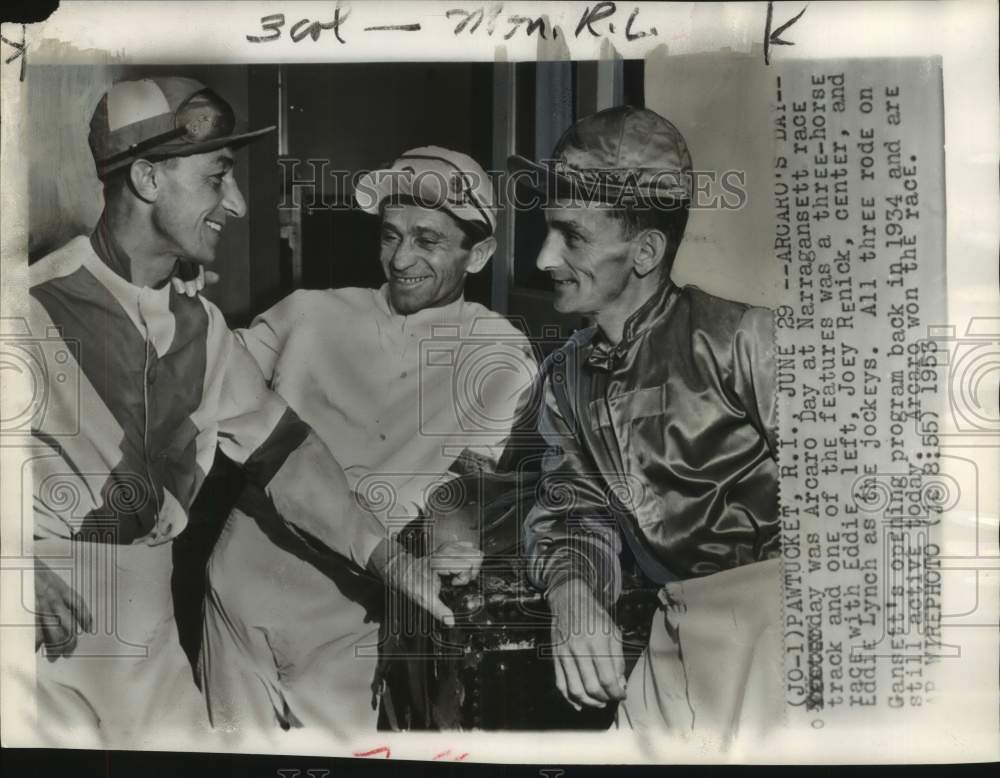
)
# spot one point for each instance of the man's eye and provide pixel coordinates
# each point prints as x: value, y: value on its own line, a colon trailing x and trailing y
x: 388, y: 237
x: 426, y: 243
x: 216, y: 180
x: 571, y: 239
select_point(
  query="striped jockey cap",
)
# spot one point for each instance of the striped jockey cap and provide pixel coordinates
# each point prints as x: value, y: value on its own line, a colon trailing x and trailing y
x: 160, y: 117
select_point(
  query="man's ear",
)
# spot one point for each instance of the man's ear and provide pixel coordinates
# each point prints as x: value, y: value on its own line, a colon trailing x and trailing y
x: 650, y: 249
x: 480, y: 254
x: 144, y: 180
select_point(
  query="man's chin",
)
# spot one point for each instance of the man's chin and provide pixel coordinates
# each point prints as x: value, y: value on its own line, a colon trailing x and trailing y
x: 563, y: 303
x: 404, y: 303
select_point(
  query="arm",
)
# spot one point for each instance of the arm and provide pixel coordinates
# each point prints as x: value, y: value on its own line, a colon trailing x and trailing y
x: 501, y: 397
x: 754, y: 372
x: 309, y: 488
x: 571, y: 532
x: 285, y: 459
x: 265, y: 338
x: 755, y: 384
x: 572, y: 545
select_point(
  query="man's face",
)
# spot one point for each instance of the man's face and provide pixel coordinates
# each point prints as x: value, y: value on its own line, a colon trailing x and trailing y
x: 422, y: 257
x: 587, y: 257
x: 197, y: 195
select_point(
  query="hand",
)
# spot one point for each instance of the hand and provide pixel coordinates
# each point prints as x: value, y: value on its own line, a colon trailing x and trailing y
x: 587, y: 647
x: 58, y: 611
x: 186, y: 282
x: 459, y: 558
x: 419, y: 578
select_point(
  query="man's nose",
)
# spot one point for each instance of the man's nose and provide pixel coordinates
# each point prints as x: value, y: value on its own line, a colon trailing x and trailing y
x: 233, y: 200
x: 404, y: 255
x: 548, y: 255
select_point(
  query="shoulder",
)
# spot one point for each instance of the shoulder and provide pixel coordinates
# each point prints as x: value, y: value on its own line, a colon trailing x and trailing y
x: 303, y: 300
x: 310, y: 305
x: 706, y: 309
x: 568, y: 355
x: 216, y: 320
x: 724, y: 334
x: 561, y: 372
x: 299, y: 303
x: 60, y: 263
x: 480, y: 321
x: 351, y: 296
x: 349, y: 301
x: 478, y: 318
x: 722, y: 319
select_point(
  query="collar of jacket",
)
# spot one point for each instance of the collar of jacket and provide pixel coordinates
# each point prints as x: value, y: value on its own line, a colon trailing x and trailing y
x: 604, y: 356
x: 111, y: 253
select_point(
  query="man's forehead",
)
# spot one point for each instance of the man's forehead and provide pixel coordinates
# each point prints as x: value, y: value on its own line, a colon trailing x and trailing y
x: 575, y: 211
x: 224, y: 155
x: 415, y: 216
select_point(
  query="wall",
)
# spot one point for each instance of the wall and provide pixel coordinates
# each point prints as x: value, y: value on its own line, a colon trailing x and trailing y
x: 361, y: 115
x: 64, y: 194
x: 719, y: 103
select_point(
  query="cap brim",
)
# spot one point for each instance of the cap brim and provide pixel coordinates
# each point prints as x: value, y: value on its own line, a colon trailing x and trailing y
x: 188, y: 149
x: 540, y: 174
x: 547, y: 181
x: 232, y: 141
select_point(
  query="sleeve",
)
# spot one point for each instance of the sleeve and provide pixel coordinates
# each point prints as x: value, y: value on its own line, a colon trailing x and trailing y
x: 285, y: 458
x: 265, y: 338
x: 754, y: 372
x: 490, y: 408
x: 571, y: 531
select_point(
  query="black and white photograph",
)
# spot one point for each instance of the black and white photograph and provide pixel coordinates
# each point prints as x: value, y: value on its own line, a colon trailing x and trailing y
x: 593, y: 383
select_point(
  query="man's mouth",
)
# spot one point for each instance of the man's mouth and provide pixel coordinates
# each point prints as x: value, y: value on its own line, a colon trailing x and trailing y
x: 409, y: 280
x: 213, y: 225
x: 562, y: 283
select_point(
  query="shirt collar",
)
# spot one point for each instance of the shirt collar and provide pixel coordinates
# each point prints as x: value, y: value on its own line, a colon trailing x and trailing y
x: 442, y: 314
x: 603, y: 355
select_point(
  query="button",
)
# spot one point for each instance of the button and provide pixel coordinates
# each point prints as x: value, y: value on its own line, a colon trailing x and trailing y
x: 151, y: 374
x: 403, y: 374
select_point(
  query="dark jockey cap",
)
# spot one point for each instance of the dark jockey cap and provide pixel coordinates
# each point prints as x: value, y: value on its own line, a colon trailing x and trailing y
x: 156, y: 118
x: 616, y: 156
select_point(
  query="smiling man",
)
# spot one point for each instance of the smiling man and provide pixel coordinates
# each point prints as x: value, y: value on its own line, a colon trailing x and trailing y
x: 409, y: 385
x: 660, y: 424
x: 123, y: 449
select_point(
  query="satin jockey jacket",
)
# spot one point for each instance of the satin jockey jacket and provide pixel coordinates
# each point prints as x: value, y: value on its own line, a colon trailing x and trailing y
x: 666, y: 440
